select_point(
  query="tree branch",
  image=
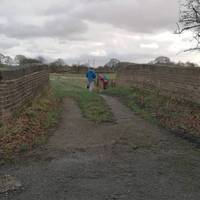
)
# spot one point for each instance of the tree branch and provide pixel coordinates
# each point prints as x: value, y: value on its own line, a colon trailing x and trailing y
x: 192, y: 49
x: 188, y: 28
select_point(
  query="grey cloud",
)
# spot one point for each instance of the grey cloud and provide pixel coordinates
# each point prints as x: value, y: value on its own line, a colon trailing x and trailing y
x: 101, y: 60
x: 82, y: 27
x: 21, y: 20
x: 132, y: 53
x: 134, y: 15
x: 69, y: 16
x: 62, y: 26
x: 6, y: 43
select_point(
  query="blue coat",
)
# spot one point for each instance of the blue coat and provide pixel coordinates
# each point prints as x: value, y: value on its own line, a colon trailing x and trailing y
x: 91, y: 75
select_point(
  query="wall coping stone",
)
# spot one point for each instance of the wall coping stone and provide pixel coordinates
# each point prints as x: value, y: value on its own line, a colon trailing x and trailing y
x: 127, y: 66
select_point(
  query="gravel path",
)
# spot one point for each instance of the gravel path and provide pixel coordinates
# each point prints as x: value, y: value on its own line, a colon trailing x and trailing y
x: 129, y: 159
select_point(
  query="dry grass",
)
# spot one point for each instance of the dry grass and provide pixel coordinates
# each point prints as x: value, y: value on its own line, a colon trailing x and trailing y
x: 30, y: 126
x: 178, y: 116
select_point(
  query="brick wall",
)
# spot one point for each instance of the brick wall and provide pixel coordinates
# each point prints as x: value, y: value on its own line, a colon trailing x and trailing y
x: 182, y: 83
x: 19, y: 85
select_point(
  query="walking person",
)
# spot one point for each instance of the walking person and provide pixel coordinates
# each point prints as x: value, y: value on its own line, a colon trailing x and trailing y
x: 91, y: 76
x: 103, y: 81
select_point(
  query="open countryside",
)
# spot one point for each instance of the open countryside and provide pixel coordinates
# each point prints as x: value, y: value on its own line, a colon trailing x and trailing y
x: 92, y: 131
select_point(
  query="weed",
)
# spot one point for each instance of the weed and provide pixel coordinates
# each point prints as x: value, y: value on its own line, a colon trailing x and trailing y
x: 23, y: 147
x: 29, y: 126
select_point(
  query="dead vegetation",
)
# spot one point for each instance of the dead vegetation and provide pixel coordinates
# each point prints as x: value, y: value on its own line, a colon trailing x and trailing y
x: 29, y: 127
x: 178, y: 116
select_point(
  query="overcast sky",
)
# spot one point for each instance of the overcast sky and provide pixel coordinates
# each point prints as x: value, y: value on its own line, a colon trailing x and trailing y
x: 78, y: 30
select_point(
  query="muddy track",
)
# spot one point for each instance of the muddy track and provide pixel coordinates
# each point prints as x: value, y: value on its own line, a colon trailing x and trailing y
x: 129, y: 159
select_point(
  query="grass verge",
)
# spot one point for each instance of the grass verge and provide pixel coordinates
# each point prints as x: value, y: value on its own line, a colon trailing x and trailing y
x: 29, y: 127
x: 179, y: 116
x: 92, y: 105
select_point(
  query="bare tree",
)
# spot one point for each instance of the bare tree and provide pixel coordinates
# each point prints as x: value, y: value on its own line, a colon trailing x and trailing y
x: 189, y: 20
x: 41, y: 59
x: 19, y: 59
x: 58, y: 62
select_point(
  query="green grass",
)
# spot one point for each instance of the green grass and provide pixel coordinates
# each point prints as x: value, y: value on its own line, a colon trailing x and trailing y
x: 92, y: 105
x: 137, y: 100
x: 165, y: 111
x: 23, y: 147
x: 52, y: 118
x: 2, y: 66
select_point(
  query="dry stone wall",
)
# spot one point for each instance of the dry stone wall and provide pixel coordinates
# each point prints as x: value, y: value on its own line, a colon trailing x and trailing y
x: 179, y: 82
x: 19, y: 85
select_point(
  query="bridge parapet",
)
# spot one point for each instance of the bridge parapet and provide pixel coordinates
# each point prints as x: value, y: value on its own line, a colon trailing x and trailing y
x: 182, y: 83
x: 19, y: 85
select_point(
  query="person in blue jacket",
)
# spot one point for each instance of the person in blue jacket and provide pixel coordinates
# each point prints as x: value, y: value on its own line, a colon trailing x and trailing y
x: 91, y: 76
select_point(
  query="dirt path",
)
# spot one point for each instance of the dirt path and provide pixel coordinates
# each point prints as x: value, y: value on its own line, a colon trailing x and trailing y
x: 129, y: 159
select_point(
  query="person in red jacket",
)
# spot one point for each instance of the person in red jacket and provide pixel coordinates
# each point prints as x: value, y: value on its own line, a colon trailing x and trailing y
x: 103, y: 81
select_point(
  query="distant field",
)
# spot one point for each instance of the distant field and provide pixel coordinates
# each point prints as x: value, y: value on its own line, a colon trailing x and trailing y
x: 2, y: 66
x: 77, y: 76
x: 92, y: 105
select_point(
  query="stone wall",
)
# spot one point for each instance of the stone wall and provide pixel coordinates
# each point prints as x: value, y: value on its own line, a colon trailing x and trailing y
x: 179, y: 82
x: 19, y: 85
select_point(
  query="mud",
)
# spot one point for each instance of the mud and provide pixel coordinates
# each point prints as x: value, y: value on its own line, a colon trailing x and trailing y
x: 129, y: 159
